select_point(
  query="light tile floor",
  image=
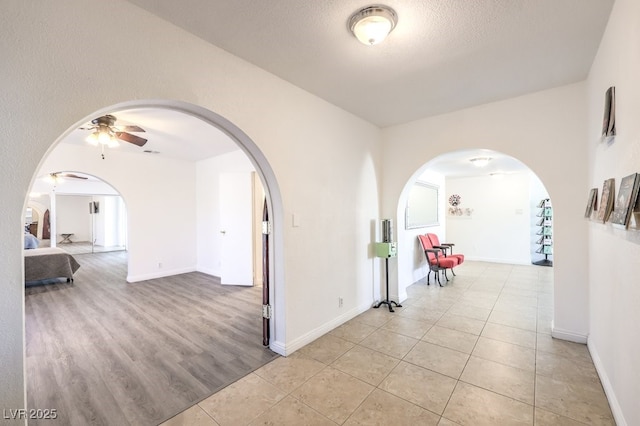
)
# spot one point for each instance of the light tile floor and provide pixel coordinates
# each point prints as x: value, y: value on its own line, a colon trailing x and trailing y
x: 475, y: 352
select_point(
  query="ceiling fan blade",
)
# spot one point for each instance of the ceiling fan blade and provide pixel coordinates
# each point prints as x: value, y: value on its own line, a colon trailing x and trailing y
x: 71, y: 175
x: 130, y: 129
x: 128, y: 137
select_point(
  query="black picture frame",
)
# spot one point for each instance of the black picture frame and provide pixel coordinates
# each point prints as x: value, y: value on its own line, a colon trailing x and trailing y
x: 592, y: 204
x: 626, y: 199
x: 609, y: 119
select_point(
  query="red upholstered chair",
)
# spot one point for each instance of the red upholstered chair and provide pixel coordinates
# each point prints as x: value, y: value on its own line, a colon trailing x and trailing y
x: 435, y: 242
x: 436, y: 260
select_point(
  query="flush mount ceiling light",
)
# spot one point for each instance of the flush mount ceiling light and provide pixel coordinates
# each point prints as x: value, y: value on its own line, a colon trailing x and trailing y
x: 480, y: 161
x: 373, y: 24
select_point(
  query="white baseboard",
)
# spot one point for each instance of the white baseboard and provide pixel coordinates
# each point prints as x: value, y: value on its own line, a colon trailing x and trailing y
x: 208, y: 271
x: 159, y: 274
x: 278, y: 347
x: 493, y: 260
x: 571, y: 336
x: 291, y: 347
x: 616, y: 410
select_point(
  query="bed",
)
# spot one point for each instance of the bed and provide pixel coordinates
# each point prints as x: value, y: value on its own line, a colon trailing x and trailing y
x: 47, y: 263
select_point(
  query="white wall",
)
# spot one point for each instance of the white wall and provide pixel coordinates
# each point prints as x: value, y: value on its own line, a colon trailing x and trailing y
x: 614, y: 255
x: 544, y: 130
x: 326, y: 161
x: 208, y: 201
x: 72, y: 216
x: 499, y: 228
x: 160, y: 196
x: 413, y: 267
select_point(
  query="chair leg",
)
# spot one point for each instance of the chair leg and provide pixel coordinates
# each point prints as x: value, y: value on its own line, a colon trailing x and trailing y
x: 454, y: 274
x: 445, y: 275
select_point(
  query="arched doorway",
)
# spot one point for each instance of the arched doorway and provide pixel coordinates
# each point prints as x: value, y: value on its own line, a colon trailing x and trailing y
x: 495, y: 217
x: 263, y: 170
x: 82, y: 203
x: 141, y: 250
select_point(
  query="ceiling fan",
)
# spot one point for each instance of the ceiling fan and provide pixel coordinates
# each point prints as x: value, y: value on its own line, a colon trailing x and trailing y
x: 106, y: 132
x: 57, y: 178
x: 57, y: 175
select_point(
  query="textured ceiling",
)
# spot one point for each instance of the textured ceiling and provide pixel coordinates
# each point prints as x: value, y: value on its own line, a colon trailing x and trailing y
x: 170, y: 133
x: 443, y: 55
x: 457, y: 164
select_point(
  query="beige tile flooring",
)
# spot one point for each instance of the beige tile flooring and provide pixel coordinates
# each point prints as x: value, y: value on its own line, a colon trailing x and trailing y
x: 475, y: 352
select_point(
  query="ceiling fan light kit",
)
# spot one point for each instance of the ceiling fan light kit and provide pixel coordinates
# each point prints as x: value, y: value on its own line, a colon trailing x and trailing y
x: 57, y: 178
x: 54, y: 179
x: 372, y: 24
x: 106, y: 133
x: 103, y: 136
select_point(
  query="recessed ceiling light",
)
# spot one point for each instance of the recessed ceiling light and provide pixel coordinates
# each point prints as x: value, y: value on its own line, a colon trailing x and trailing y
x: 373, y: 24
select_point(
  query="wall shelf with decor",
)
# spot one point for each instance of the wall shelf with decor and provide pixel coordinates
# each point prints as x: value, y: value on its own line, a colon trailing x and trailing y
x: 545, y: 232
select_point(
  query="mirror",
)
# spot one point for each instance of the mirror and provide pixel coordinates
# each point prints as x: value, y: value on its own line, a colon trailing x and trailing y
x: 422, y: 206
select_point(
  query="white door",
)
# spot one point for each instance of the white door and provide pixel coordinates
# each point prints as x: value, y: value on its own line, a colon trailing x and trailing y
x: 236, y: 228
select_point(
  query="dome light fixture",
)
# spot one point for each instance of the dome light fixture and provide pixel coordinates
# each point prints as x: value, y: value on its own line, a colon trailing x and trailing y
x: 373, y: 24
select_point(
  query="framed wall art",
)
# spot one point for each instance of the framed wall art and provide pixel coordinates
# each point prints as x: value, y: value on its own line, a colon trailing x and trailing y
x: 592, y: 203
x: 606, y: 200
x: 626, y: 199
x: 609, y: 119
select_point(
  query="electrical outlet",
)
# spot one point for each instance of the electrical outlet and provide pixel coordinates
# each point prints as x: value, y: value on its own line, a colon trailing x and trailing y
x: 340, y: 301
x: 159, y: 265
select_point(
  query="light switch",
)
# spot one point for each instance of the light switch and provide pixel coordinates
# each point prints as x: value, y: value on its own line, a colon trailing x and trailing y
x: 295, y: 220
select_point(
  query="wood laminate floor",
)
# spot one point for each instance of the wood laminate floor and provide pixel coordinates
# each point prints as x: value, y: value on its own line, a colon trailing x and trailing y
x: 81, y: 247
x: 101, y: 351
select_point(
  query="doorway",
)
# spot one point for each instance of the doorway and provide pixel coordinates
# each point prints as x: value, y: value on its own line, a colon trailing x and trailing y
x: 489, y: 212
x: 142, y: 248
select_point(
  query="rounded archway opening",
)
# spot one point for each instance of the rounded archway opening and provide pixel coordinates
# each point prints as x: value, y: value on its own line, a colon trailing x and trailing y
x: 484, y: 201
x: 161, y: 114
x: 161, y: 246
x: 83, y: 203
